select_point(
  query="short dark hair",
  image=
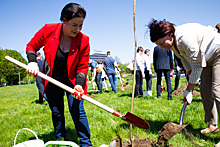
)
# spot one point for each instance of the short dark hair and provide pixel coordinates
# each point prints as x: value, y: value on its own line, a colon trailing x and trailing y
x: 159, y: 29
x: 72, y: 10
x: 38, y: 54
x: 108, y: 52
x: 140, y: 49
x: 218, y: 27
x: 146, y: 51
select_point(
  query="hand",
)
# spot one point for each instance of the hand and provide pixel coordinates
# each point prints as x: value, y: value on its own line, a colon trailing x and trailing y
x: 78, y: 92
x: 93, y: 78
x: 171, y: 73
x: 189, y: 72
x: 33, y: 68
x: 187, y: 95
x: 178, y: 68
x: 143, y: 75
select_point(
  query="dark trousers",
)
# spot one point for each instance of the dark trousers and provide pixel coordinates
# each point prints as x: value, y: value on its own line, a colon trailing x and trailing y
x: 178, y: 78
x: 148, y: 78
x: 98, y: 81
x: 139, y: 83
x: 168, y: 82
x: 55, y: 96
x: 40, y: 87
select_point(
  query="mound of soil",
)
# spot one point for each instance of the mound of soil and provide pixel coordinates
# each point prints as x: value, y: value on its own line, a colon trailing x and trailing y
x: 179, y: 91
x: 128, y: 85
x: 136, y: 143
x: 165, y: 134
x: 91, y: 95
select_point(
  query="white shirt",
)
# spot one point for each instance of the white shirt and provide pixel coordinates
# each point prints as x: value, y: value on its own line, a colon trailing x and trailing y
x: 147, y: 62
x: 194, y: 41
x: 139, y: 62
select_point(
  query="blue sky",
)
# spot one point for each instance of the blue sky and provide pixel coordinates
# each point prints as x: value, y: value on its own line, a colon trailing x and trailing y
x: 109, y: 23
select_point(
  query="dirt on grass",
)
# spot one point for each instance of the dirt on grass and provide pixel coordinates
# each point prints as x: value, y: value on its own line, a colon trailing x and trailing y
x: 168, y: 130
x: 91, y: 95
x: 179, y: 91
x: 128, y: 85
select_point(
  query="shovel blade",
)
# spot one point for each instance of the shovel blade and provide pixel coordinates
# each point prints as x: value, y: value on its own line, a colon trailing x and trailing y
x: 136, y: 121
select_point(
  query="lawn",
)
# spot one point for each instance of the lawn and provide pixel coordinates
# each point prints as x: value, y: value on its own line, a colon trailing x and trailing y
x: 19, y: 111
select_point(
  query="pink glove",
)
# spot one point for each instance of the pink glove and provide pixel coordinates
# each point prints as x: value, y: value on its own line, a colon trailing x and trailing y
x: 78, y: 92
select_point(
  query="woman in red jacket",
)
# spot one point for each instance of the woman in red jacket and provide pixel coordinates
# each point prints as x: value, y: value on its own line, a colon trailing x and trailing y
x: 67, y: 56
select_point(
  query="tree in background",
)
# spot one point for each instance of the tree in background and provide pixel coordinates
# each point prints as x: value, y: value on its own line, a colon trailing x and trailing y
x: 8, y: 70
x: 117, y: 59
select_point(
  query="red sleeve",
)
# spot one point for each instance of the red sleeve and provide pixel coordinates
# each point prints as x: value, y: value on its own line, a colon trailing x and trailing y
x: 37, y: 41
x: 82, y: 65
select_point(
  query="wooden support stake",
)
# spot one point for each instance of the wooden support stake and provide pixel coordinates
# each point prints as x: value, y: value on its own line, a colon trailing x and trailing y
x: 133, y: 89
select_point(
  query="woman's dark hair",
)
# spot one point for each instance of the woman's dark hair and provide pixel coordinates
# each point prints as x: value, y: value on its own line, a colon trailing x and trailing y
x: 159, y: 29
x: 72, y: 10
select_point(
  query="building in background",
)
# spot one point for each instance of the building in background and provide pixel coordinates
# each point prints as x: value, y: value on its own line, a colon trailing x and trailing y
x: 97, y: 55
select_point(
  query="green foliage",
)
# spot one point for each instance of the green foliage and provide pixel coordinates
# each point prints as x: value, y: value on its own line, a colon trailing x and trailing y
x: 23, y: 111
x: 10, y: 70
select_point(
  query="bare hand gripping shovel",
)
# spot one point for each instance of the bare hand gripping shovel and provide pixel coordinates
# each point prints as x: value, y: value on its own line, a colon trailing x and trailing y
x: 129, y: 117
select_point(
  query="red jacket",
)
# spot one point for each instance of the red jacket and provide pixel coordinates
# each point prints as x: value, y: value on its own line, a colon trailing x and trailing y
x: 78, y: 58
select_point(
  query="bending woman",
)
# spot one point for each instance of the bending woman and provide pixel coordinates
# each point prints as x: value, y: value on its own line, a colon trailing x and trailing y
x: 67, y: 56
x: 198, y: 47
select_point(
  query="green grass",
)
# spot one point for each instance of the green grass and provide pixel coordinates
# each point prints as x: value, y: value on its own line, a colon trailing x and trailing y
x: 23, y: 111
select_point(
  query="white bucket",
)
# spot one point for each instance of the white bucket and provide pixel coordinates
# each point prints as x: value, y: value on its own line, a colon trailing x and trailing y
x: 30, y: 143
x: 147, y: 93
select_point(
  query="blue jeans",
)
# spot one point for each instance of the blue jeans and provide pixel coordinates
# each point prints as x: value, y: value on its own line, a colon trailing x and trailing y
x: 40, y: 89
x: 76, y: 108
x: 112, y: 80
x: 116, y: 81
x: 98, y: 81
x: 168, y: 82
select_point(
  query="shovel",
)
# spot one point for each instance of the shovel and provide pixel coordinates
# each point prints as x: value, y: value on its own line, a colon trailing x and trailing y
x: 182, y: 112
x: 122, y: 86
x: 129, y: 117
x: 170, y: 129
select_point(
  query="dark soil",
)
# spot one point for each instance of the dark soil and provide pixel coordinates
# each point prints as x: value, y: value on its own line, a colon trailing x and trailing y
x: 179, y: 91
x: 91, y: 95
x: 165, y: 134
x: 128, y: 85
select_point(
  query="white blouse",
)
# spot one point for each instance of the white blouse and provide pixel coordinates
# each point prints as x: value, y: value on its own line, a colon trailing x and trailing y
x: 195, y: 45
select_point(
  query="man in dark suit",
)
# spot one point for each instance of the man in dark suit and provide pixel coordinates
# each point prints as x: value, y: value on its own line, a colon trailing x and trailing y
x: 163, y: 63
x: 179, y: 68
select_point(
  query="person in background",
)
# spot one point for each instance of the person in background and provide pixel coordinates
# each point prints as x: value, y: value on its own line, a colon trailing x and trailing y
x: 66, y: 51
x: 179, y: 68
x: 39, y: 83
x: 96, y: 74
x: 198, y: 47
x: 110, y: 65
x: 218, y: 27
x: 147, y: 71
x: 139, y: 73
x: 163, y: 63
x: 104, y: 76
